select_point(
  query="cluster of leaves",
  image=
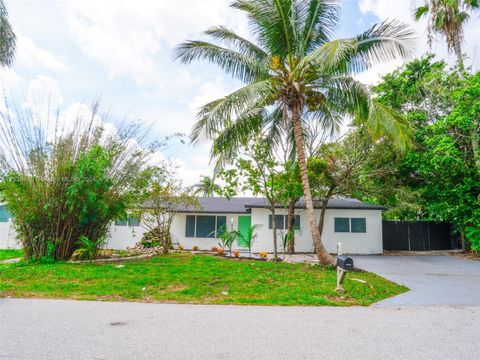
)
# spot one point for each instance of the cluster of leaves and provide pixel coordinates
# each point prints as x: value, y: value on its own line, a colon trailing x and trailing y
x: 61, y: 186
x: 163, y: 198
x: 439, y: 178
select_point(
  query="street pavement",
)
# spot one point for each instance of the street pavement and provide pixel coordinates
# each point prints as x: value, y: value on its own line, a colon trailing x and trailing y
x: 61, y: 329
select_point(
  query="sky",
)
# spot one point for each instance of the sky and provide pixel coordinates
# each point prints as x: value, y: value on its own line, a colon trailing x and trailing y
x: 73, y: 52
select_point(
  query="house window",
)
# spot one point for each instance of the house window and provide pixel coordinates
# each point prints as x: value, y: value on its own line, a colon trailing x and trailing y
x: 282, y: 222
x: 204, y: 226
x: 342, y: 225
x: 128, y: 221
x: 358, y: 225
x: 354, y: 225
x: 4, y: 214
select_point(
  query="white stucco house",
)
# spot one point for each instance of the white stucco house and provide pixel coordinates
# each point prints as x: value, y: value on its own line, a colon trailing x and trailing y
x: 357, y: 225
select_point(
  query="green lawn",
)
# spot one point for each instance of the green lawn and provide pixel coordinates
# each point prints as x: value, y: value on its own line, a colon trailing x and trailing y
x: 199, y: 279
x: 10, y: 254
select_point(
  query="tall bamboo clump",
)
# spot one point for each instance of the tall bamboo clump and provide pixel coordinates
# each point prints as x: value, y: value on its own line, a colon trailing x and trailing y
x: 66, y: 177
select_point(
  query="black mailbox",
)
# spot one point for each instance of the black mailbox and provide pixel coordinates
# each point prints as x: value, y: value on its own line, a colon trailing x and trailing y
x: 345, y: 262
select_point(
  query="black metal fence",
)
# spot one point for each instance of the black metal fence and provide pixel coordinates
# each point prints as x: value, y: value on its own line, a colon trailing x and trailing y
x: 417, y: 236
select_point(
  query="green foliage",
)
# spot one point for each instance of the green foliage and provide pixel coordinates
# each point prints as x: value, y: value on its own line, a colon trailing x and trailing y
x: 163, y: 197
x: 153, y: 238
x: 227, y: 237
x: 89, y: 248
x: 207, y: 187
x: 248, y: 238
x: 439, y: 178
x: 70, y: 185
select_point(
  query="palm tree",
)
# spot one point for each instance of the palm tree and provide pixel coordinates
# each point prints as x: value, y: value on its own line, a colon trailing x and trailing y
x: 447, y: 17
x: 7, y: 38
x: 207, y: 187
x: 294, y: 74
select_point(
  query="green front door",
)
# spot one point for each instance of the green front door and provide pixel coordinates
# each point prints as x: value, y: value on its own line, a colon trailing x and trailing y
x: 244, y: 224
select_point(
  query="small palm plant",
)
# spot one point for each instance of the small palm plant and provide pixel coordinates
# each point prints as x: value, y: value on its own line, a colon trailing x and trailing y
x: 90, y: 247
x: 249, y: 237
x: 227, y: 238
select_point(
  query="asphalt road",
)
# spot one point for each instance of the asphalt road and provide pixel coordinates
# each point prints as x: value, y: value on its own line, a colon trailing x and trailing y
x: 50, y: 329
x: 433, y: 280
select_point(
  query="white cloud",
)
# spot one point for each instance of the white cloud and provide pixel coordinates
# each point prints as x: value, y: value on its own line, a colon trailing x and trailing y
x: 127, y: 37
x: 31, y: 55
x: 403, y: 10
x: 44, y: 91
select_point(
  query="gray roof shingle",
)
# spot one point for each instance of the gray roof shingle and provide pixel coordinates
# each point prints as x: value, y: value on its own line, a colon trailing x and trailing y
x: 243, y: 205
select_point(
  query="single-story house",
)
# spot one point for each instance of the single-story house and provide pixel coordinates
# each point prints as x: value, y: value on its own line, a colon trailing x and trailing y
x: 357, y: 225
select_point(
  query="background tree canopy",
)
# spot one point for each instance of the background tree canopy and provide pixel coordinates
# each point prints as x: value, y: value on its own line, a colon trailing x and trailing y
x: 438, y: 178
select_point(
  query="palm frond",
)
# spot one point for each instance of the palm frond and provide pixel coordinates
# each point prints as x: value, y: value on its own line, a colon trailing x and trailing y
x: 319, y: 21
x: 243, y: 45
x: 389, y: 40
x: 241, y: 66
x: 388, y: 122
x: 219, y: 114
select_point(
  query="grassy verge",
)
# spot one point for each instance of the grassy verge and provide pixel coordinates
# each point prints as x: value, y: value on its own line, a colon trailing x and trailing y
x: 199, y: 279
x: 10, y: 254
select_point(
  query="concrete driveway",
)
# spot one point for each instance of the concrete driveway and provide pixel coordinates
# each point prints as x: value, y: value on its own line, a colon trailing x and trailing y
x: 433, y: 280
x: 80, y: 330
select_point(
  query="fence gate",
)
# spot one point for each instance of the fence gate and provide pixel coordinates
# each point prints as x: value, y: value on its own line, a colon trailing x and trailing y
x: 416, y: 236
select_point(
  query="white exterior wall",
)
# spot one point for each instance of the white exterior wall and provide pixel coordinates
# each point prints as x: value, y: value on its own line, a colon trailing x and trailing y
x: 353, y: 243
x: 121, y: 237
x: 7, y: 236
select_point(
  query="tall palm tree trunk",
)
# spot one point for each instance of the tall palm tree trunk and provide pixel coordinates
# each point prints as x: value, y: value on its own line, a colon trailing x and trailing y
x: 323, y: 256
x: 457, y: 48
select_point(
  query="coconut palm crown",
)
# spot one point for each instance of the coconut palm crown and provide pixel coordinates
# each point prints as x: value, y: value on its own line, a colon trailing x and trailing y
x: 294, y: 73
x: 447, y: 17
x: 206, y: 187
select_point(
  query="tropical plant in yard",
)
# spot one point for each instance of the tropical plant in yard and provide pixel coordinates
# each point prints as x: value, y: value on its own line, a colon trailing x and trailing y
x: 227, y: 238
x: 207, y: 187
x: 66, y: 178
x: 7, y: 38
x: 90, y: 248
x: 294, y: 73
x: 248, y: 237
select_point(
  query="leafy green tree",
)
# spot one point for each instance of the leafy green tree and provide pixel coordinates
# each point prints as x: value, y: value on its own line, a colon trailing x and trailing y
x: 437, y: 179
x: 294, y: 73
x: 256, y: 171
x: 162, y: 200
x: 207, y: 187
x: 7, y: 38
x: 447, y: 18
x: 60, y: 185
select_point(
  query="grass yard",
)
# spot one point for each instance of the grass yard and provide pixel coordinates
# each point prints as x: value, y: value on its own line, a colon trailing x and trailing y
x: 10, y: 254
x: 198, y: 279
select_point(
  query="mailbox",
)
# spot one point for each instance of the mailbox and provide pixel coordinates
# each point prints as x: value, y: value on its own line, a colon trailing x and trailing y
x: 345, y: 262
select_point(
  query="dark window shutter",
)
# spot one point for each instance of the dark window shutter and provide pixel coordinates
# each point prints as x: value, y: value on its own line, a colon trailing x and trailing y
x: 190, y: 227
